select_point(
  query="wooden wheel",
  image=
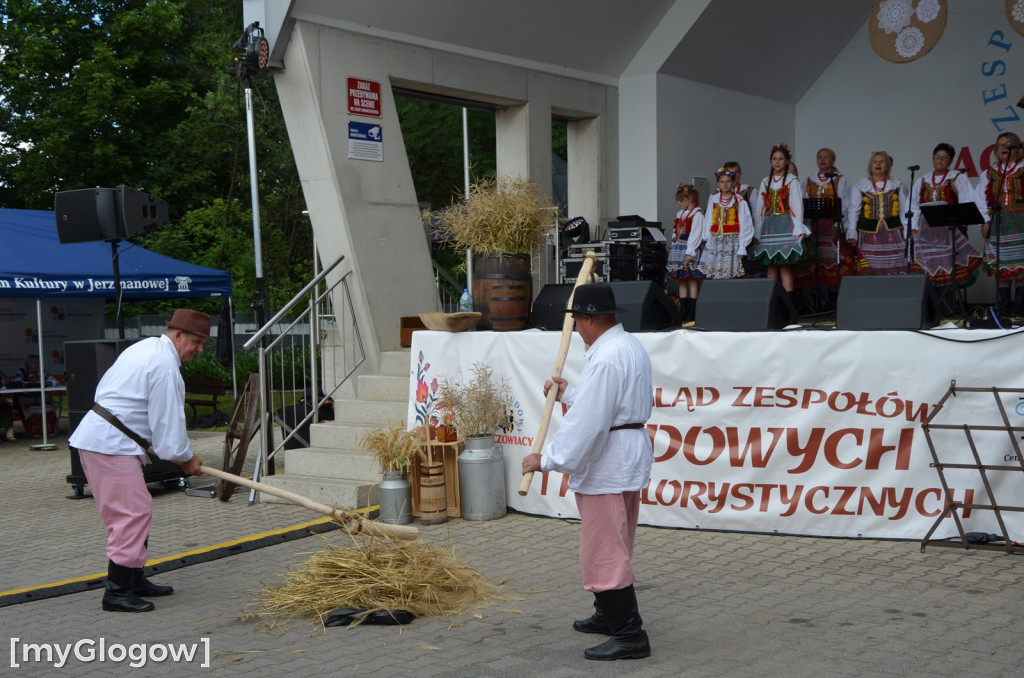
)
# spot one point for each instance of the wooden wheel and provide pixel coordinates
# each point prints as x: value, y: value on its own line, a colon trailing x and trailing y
x: 239, y: 433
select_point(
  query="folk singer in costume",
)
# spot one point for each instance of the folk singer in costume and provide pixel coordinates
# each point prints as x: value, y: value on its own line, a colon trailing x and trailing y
x: 1001, y: 190
x: 603, y: 445
x: 728, y: 230
x: 933, y: 251
x: 684, y: 257
x: 881, y: 222
x: 751, y: 269
x: 144, y: 393
x: 779, y: 221
x: 833, y: 257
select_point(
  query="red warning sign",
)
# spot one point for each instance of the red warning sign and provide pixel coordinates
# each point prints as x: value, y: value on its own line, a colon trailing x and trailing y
x: 364, y: 97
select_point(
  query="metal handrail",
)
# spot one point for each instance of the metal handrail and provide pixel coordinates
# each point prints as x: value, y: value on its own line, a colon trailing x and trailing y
x: 289, y: 342
x: 262, y: 331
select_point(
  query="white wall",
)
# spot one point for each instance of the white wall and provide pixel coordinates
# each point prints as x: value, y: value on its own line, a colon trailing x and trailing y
x: 692, y: 131
x: 701, y: 127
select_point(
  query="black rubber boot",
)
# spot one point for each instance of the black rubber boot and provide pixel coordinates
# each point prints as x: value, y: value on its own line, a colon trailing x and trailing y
x: 144, y: 588
x: 1003, y: 301
x: 119, y: 596
x: 629, y: 640
x: 598, y: 622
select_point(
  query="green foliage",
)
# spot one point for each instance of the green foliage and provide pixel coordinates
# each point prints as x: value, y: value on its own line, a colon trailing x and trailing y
x: 206, y: 366
x: 433, y: 143
x: 141, y: 93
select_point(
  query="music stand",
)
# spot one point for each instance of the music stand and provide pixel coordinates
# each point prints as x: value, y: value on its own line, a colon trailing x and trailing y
x: 817, y: 209
x: 952, y: 217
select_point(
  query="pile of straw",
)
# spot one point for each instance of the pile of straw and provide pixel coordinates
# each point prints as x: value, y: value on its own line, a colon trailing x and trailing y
x: 417, y: 576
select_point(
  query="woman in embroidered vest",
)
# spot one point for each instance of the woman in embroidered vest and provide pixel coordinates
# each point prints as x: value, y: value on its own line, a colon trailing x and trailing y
x: 881, y: 224
x: 1003, y: 210
x: 932, y: 248
x: 828, y: 233
x: 779, y: 221
x: 684, y: 257
x: 728, y: 230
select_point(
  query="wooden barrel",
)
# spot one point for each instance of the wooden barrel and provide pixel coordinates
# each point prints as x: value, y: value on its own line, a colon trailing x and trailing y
x: 502, y: 291
x: 433, y: 505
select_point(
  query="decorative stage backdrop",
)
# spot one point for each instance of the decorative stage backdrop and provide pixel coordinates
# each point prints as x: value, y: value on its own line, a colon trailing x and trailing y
x: 805, y: 432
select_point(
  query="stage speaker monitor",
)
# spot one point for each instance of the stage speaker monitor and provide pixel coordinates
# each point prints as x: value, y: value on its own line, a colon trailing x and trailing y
x: 86, y: 362
x: 85, y: 215
x: 646, y: 307
x: 744, y: 305
x: 138, y: 213
x: 886, y: 302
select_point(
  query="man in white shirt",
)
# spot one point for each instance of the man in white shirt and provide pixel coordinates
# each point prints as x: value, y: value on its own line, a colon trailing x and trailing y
x: 603, y: 445
x: 142, y: 392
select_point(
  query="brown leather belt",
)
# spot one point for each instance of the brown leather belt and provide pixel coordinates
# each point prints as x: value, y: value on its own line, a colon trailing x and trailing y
x: 623, y: 426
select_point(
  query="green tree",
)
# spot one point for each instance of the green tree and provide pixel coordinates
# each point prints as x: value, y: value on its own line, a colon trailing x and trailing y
x: 142, y: 93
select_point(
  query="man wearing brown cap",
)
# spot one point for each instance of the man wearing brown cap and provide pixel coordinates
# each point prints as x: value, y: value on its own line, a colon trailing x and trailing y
x: 140, y: 403
x: 603, y: 445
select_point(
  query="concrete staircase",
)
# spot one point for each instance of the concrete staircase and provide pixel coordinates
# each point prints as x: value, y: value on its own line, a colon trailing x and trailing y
x: 333, y: 470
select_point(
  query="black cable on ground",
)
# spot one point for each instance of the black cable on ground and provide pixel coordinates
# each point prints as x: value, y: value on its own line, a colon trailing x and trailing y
x: 203, y: 555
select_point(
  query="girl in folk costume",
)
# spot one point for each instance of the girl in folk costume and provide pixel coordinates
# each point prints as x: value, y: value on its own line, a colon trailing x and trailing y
x: 1001, y: 192
x: 728, y: 229
x: 684, y: 257
x: 881, y: 224
x: 828, y: 232
x: 751, y: 268
x: 779, y: 221
x: 933, y: 251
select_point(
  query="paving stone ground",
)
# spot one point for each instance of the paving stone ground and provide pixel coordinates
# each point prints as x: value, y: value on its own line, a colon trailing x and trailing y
x: 714, y: 604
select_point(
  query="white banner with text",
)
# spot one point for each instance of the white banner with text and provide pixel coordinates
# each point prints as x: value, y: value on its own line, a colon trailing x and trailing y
x: 808, y: 432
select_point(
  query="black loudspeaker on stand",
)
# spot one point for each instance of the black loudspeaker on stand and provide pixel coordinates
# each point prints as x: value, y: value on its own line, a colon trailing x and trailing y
x: 886, y: 302
x: 86, y: 362
x: 647, y: 307
x: 744, y: 305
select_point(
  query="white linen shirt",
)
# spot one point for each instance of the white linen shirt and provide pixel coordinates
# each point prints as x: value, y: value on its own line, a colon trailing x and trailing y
x: 614, y: 389
x: 143, y: 389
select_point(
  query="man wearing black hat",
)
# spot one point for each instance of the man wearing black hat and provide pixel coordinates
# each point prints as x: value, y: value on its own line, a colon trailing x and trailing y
x: 603, y: 445
x: 141, y: 398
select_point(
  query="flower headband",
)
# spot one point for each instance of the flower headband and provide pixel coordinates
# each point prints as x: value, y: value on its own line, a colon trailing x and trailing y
x: 726, y: 171
x: 781, y: 147
x: 684, y: 187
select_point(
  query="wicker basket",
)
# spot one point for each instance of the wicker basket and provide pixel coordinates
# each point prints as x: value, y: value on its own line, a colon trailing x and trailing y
x: 450, y: 322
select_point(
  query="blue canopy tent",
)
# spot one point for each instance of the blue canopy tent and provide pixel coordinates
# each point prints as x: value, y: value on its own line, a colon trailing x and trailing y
x: 36, y: 265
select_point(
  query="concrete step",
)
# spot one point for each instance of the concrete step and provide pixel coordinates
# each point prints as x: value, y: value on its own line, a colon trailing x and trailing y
x: 383, y: 387
x: 373, y: 413
x: 396, y: 363
x: 333, y: 463
x: 334, y: 492
x: 338, y: 436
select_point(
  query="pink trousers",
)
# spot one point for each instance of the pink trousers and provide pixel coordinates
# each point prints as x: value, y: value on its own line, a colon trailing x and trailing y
x: 606, y: 539
x: 126, y: 507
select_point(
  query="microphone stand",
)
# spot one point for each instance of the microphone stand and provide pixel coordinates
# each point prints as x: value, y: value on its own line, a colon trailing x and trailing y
x: 910, y: 220
x: 840, y: 233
